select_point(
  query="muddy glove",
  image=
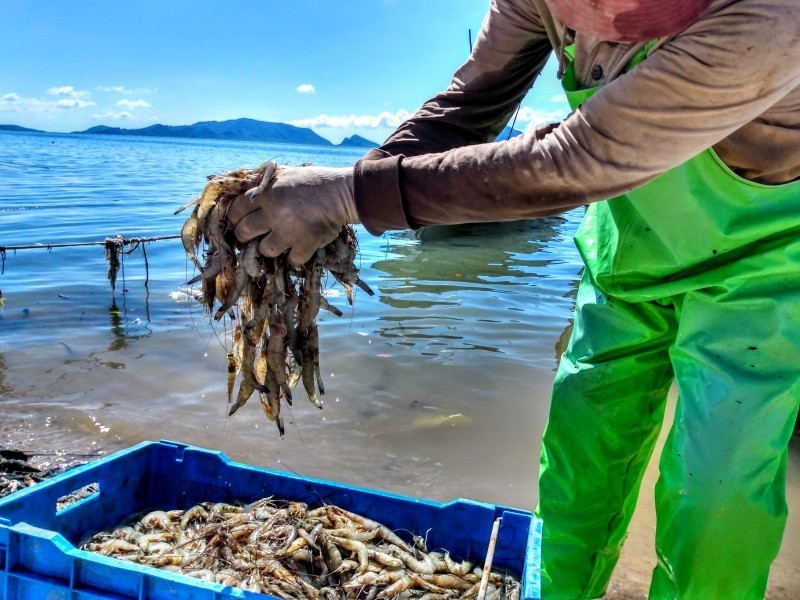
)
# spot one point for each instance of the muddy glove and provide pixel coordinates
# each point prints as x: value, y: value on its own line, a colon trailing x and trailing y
x: 299, y: 209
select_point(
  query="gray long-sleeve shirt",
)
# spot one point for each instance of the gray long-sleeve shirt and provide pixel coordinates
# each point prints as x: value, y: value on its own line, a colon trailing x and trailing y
x: 730, y: 81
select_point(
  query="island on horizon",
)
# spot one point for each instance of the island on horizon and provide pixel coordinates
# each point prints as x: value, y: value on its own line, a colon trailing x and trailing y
x: 250, y: 130
x: 18, y: 128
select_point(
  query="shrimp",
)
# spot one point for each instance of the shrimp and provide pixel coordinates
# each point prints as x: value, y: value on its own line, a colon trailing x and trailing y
x: 457, y: 568
x: 115, y: 546
x: 145, y: 541
x: 445, y: 581
x: 384, y: 532
x: 325, y: 305
x: 267, y: 170
x: 225, y: 286
x: 391, y: 591
x: 309, y: 348
x: 310, y: 297
x: 196, y: 512
x: 359, y: 548
x: 239, y: 287
x: 249, y: 260
x: 158, y: 519
x: 248, y: 384
x: 270, y: 401
x: 331, y: 554
x: 348, y: 280
x: 276, y: 352
x: 207, y: 201
x: 234, y: 358
x: 385, y: 559
x: 190, y: 237
x: 427, y: 565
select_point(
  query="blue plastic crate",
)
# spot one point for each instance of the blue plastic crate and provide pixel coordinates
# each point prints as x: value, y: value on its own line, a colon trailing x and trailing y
x: 40, y: 560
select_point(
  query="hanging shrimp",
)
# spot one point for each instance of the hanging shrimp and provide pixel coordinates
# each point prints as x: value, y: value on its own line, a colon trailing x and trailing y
x: 276, y: 341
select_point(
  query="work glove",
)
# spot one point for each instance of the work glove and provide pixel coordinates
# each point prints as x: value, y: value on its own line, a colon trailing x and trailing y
x: 299, y: 209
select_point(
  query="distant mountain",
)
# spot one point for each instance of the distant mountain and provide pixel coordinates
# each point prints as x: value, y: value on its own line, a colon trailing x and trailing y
x: 356, y: 141
x: 18, y: 128
x: 236, y: 129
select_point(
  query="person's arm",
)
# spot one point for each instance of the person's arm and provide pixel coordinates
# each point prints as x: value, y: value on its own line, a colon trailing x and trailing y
x: 511, y: 49
x: 720, y: 74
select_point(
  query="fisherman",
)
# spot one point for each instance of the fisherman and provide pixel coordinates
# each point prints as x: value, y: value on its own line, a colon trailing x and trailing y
x: 684, y: 141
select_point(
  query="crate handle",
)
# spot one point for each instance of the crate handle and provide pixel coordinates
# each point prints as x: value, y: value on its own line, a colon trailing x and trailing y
x: 82, y: 495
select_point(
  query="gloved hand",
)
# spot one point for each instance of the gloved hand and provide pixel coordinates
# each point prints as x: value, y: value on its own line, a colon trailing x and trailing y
x: 300, y: 209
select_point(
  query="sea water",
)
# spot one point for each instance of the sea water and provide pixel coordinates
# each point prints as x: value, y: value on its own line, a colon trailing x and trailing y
x: 437, y: 386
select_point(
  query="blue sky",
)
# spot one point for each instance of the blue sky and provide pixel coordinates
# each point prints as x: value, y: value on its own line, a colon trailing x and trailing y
x: 339, y: 67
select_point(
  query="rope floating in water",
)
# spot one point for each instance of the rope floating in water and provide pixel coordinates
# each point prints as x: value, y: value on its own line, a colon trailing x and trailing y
x: 115, y: 240
x: 114, y: 248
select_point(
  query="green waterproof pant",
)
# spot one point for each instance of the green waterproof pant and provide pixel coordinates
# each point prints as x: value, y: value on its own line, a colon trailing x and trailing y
x: 720, y: 498
x: 694, y: 276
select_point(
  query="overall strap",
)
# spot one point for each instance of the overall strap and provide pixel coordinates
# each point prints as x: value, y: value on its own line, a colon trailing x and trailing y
x: 576, y: 95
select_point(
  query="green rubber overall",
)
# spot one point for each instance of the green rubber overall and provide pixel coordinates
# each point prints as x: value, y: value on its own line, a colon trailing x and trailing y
x: 693, y: 277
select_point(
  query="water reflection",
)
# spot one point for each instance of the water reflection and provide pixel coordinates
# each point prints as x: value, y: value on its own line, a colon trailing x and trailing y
x: 125, y: 328
x: 441, y: 283
x: 463, y: 254
x: 121, y: 327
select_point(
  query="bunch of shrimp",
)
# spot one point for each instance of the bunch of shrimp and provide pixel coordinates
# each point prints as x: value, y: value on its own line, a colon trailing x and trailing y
x: 274, y: 305
x: 291, y: 550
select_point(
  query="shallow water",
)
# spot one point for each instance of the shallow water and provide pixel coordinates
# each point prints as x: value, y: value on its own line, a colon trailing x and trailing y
x: 436, y: 387
x: 426, y: 381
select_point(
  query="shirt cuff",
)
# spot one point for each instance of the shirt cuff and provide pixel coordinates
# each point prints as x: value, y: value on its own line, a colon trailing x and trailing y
x: 377, y: 193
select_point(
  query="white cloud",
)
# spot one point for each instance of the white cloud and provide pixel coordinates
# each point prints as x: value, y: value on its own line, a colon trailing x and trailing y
x: 73, y: 103
x: 113, y: 88
x: 131, y: 104
x: 534, y: 118
x: 68, y: 97
x: 15, y: 103
x: 67, y: 91
x: 307, y: 89
x: 527, y: 117
x: 559, y: 98
x: 114, y: 116
x: 384, y: 119
x: 121, y: 89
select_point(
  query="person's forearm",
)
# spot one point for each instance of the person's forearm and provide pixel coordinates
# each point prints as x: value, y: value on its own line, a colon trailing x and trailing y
x: 505, y: 181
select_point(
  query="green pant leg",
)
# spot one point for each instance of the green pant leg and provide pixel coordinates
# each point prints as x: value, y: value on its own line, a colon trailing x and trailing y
x: 720, y: 500
x: 605, y: 416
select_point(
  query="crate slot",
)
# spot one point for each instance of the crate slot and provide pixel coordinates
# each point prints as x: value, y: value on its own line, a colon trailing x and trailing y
x: 82, y: 495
